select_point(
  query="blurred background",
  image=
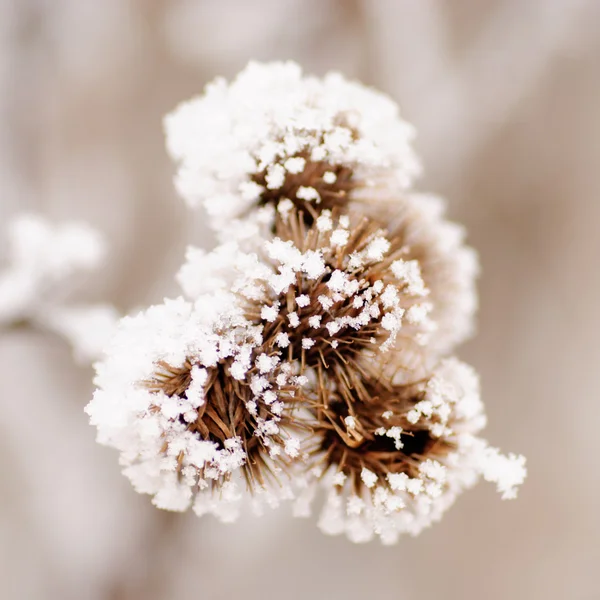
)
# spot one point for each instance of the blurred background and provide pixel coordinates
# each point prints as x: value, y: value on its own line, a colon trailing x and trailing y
x: 505, y: 95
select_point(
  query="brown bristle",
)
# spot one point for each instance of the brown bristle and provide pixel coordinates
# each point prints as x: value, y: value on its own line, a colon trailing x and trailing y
x: 340, y: 355
x: 224, y: 415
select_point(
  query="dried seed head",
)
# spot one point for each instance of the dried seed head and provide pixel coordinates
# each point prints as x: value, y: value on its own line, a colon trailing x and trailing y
x: 195, y: 405
x: 325, y: 294
x: 335, y: 294
x: 352, y: 291
x: 217, y: 408
x: 276, y: 137
x: 396, y: 463
x: 353, y: 435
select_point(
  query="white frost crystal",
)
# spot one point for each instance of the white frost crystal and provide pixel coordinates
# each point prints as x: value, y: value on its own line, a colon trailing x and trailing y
x: 448, y: 266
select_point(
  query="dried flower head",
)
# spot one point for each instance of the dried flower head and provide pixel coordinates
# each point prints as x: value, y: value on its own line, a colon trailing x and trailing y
x: 394, y: 464
x: 326, y: 293
x: 418, y: 274
x: 276, y: 138
x: 195, y: 405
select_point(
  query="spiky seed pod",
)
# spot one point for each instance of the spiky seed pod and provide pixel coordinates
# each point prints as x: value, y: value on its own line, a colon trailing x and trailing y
x: 394, y: 464
x: 449, y: 268
x: 229, y: 411
x: 195, y: 405
x: 325, y: 294
x: 369, y: 297
x: 277, y: 138
x: 372, y: 432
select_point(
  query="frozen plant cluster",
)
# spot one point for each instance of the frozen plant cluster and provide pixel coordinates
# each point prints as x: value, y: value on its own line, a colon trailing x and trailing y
x: 45, y: 262
x: 309, y: 357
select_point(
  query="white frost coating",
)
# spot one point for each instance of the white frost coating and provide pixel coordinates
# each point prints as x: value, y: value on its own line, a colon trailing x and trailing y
x: 267, y: 116
x: 88, y: 328
x: 43, y: 262
x: 41, y: 258
x: 507, y: 472
x: 448, y: 267
x: 397, y: 503
x: 225, y: 268
x: 195, y: 392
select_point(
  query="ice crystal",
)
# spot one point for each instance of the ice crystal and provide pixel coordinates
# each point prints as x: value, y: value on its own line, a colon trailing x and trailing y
x: 448, y: 267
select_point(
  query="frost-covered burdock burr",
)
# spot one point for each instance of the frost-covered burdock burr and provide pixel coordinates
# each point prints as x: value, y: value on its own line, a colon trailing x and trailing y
x: 419, y: 274
x: 274, y: 138
x: 196, y: 406
x: 392, y: 459
x: 340, y: 296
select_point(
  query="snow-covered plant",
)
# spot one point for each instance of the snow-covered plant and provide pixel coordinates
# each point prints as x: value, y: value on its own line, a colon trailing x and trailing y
x: 44, y: 262
x: 311, y: 349
x: 197, y: 402
x: 332, y: 294
x: 394, y: 458
x: 275, y: 138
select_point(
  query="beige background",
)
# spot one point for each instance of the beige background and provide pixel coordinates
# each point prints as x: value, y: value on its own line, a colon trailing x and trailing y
x: 506, y: 97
